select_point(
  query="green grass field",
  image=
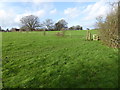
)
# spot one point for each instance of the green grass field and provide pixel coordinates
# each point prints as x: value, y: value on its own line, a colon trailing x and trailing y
x: 31, y: 60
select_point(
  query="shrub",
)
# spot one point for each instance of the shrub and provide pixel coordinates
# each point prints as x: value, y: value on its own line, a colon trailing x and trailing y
x: 59, y: 34
x: 108, y: 28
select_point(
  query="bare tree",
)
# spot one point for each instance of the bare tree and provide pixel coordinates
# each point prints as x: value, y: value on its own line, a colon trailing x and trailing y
x: 49, y: 24
x: 31, y: 22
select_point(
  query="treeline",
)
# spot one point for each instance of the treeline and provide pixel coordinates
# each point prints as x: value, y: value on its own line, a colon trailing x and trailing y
x: 108, y: 27
x: 32, y: 23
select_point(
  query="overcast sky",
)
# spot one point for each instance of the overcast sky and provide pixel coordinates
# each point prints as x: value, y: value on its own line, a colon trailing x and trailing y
x: 74, y: 12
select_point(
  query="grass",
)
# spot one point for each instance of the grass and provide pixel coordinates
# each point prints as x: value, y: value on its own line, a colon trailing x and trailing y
x: 0, y: 60
x: 31, y: 60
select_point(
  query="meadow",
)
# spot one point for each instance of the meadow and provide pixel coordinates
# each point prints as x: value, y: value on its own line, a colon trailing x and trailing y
x: 32, y: 60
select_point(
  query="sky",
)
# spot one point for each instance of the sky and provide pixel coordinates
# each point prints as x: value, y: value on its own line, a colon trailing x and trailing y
x: 77, y: 12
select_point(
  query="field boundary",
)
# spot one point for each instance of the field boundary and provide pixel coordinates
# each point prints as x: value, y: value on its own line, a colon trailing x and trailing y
x: 0, y: 60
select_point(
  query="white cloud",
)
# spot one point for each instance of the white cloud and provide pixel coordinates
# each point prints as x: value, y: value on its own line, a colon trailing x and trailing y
x: 98, y: 9
x: 86, y: 17
x: 7, y: 18
x: 11, y: 17
x: 61, y: 19
x: 2, y: 13
x: 53, y: 11
x: 41, y: 9
x: 37, y: 1
x: 72, y: 12
x: 53, y: 0
x: 39, y: 13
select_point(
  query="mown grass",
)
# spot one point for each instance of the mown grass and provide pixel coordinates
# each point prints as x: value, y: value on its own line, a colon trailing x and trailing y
x: 31, y: 60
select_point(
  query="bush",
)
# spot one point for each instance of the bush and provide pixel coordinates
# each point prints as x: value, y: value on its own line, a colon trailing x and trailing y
x: 108, y: 28
x: 59, y: 34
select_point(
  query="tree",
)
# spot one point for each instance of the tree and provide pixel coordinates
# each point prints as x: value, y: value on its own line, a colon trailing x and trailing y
x: 0, y: 28
x: 7, y: 30
x: 24, y: 28
x: 108, y: 27
x: 61, y: 24
x: 49, y: 24
x: 87, y: 28
x: 31, y: 22
x: 81, y: 28
x: 72, y: 28
x: 77, y: 27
